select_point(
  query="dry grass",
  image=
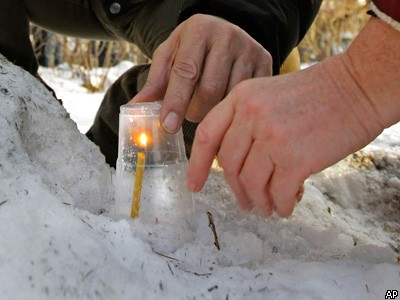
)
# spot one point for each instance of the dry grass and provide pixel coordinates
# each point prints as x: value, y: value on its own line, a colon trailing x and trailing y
x: 336, y: 25
x: 85, y: 57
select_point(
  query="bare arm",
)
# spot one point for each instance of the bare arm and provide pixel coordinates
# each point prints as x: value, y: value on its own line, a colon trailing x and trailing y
x: 271, y: 134
x: 373, y: 60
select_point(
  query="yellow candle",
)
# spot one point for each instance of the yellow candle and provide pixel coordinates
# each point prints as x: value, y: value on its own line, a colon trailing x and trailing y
x: 137, y: 189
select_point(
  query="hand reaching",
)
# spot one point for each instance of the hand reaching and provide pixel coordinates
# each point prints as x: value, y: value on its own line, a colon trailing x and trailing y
x: 271, y: 134
x: 197, y: 66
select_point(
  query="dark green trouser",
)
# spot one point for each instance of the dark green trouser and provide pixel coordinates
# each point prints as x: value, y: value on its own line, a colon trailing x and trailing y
x: 146, y: 23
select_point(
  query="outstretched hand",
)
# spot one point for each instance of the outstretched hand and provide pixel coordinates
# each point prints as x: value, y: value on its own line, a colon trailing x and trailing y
x: 271, y: 134
x: 197, y: 66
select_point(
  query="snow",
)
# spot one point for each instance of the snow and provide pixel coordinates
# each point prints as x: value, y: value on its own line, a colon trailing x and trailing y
x: 60, y: 239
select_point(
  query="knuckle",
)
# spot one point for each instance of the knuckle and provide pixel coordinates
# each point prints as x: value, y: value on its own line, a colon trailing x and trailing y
x: 186, y: 69
x: 252, y: 107
x: 258, y: 59
x: 268, y: 57
x: 265, y: 60
x: 162, y: 51
x: 196, y: 19
x: 265, y: 63
x: 197, y: 24
x: 264, y: 53
x: 210, y: 88
x: 202, y: 134
x: 231, y: 32
x: 242, y: 89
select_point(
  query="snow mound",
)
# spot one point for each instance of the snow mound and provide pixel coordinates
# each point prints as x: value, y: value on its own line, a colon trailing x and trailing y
x: 59, y: 241
x: 39, y: 141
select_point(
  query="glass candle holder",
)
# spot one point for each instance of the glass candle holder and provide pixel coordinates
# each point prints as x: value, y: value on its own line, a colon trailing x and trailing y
x: 151, y: 169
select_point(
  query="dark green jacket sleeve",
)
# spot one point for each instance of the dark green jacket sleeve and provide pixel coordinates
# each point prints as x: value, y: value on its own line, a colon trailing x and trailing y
x: 279, y: 25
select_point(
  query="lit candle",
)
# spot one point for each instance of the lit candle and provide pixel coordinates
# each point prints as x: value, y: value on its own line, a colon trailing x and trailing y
x: 137, y: 188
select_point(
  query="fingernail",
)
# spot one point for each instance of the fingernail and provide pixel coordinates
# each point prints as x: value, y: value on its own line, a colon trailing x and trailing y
x: 171, y: 122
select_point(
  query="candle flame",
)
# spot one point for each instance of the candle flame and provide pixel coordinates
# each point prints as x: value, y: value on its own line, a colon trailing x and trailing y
x: 143, y: 139
x: 140, y: 139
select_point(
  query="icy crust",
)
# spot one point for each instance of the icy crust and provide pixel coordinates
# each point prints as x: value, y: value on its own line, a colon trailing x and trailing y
x: 341, y: 241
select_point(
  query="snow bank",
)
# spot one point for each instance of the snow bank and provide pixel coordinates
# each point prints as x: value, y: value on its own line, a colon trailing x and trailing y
x: 58, y: 239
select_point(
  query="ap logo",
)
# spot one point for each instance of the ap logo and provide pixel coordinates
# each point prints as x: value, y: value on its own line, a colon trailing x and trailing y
x: 391, y: 294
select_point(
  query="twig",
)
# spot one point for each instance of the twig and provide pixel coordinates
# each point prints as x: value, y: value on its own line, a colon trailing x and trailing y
x: 199, y: 274
x: 166, y: 256
x: 169, y: 267
x: 1, y: 203
x: 215, y: 287
x: 87, y: 274
x: 212, y: 226
x: 86, y: 223
x: 194, y: 273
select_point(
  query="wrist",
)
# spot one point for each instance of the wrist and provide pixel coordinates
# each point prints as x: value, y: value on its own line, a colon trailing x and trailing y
x: 373, y: 60
x: 350, y: 100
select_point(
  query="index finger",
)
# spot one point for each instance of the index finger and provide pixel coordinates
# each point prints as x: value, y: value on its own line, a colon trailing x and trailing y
x: 185, y: 72
x: 160, y: 69
x: 208, y: 138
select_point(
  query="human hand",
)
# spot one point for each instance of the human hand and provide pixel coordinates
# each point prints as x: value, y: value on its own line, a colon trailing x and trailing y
x: 195, y: 68
x: 271, y: 134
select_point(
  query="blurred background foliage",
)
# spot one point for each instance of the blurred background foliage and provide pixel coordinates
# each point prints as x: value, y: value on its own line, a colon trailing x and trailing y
x: 336, y: 25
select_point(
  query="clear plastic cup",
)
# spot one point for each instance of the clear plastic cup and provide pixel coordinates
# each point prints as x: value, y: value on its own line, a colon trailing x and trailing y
x: 151, y: 169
